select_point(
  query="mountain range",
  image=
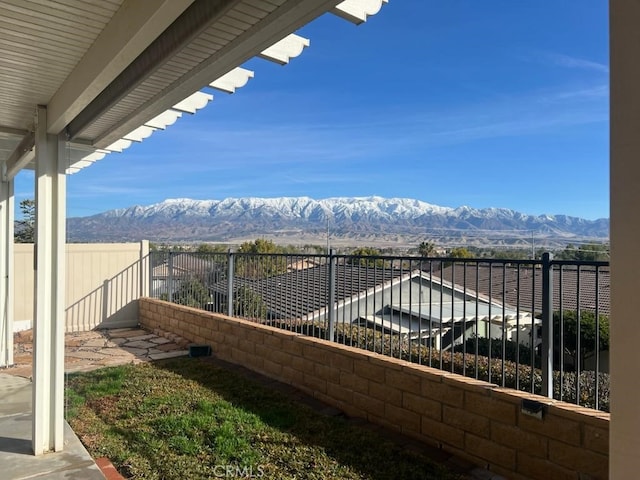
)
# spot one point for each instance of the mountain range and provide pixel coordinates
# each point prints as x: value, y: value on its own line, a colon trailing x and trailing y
x: 357, y: 218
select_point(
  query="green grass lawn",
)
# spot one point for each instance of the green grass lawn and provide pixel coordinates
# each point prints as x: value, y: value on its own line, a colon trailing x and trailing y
x: 189, y: 419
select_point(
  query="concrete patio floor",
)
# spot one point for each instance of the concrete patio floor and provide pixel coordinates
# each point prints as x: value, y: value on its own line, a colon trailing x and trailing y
x: 83, y: 351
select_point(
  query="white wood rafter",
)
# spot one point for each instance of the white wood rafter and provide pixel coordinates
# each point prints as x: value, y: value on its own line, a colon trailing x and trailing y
x: 358, y: 11
x: 193, y: 102
x: 230, y: 82
x: 166, y: 118
x: 283, y: 51
x: 139, y: 133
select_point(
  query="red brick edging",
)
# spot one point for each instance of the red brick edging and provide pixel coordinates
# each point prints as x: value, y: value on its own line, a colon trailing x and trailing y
x: 108, y: 470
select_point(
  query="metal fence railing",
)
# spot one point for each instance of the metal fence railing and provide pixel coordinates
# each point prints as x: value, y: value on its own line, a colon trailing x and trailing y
x: 535, y: 325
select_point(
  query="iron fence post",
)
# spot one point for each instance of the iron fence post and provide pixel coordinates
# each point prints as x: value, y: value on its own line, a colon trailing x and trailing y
x: 170, y: 277
x: 547, y: 325
x: 230, y: 260
x: 332, y: 296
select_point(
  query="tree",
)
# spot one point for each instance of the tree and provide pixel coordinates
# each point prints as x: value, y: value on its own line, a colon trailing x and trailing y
x: 26, y: 228
x: 260, y: 259
x: 587, y: 252
x: 249, y: 304
x: 427, y: 249
x: 366, y: 262
x: 216, y: 254
x: 192, y: 293
x: 260, y: 245
x: 211, y: 248
x: 587, y: 333
x: 460, y: 252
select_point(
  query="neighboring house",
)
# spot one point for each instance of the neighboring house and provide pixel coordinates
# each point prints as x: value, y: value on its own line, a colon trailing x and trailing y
x: 167, y: 276
x: 416, y: 305
x: 160, y: 278
x: 570, y: 289
x: 422, y: 307
x: 303, y: 294
x: 586, y: 289
x: 440, y: 308
x: 301, y: 264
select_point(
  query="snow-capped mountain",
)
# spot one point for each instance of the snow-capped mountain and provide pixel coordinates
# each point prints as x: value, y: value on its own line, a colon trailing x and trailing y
x: 200, y: 220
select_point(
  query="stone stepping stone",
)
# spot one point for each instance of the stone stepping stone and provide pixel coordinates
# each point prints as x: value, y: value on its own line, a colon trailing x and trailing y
x: 167, y: 347
x: 142, y: 337
x: 138, y: 344
x: 86, y: 355
x: 161, y: 356
x: 129, y: 333
x: 135, y: 351
x: 159, y: 340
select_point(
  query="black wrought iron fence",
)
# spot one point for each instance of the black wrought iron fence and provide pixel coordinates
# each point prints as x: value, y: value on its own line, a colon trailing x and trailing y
x: 535, y: 325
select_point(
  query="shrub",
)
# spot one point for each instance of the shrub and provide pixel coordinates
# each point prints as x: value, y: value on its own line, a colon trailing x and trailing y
x: 512, y: 350
x: 587, y: 334
x: 192, y: 293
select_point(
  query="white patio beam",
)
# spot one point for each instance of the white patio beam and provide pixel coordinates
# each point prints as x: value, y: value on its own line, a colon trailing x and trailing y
x: 6, y: 273
x: 13, y: 131
x: 49, y: 318
x: 285, y: 20
x: 194, y: 20
x: 132, y: 29
x: 21, y: 156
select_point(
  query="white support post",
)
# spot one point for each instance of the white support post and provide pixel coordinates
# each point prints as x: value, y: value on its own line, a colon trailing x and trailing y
x: 624, y: 430
x: 6, y: 273
x: 48, y: 351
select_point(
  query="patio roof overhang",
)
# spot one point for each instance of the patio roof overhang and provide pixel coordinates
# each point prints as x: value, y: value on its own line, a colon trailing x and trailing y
x: 112, y: 73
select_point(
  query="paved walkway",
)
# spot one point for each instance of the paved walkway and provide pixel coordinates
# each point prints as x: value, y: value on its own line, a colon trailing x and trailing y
x: 101, y: 348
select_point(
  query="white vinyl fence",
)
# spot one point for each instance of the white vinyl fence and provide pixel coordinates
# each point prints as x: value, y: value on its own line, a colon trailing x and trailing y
x: 103, y: 283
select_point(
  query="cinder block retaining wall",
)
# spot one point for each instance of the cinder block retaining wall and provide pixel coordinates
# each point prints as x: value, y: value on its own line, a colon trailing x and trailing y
x: 473, y: 419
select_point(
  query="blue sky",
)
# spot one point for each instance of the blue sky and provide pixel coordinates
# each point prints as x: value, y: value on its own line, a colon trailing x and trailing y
x: 459, y: 102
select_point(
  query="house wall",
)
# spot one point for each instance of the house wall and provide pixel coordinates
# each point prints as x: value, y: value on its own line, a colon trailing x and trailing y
x: 624, y: 18
x: 409, y: 291
x: 420, y: 290
x: 475, y: 420
x: 103, y: 283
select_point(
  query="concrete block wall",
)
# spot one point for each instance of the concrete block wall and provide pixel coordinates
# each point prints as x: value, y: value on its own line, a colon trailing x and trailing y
x: 473, y: 419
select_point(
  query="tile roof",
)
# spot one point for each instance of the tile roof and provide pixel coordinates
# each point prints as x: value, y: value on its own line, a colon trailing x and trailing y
x: 523, y: 286
x: 298, y: 293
